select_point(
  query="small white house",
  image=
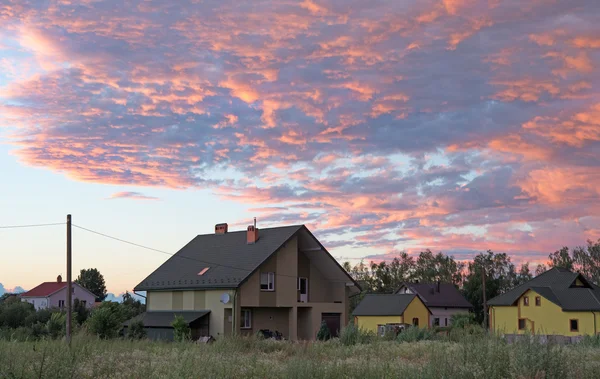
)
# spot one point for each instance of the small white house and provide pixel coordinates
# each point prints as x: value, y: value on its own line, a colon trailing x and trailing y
x: 54, y: 295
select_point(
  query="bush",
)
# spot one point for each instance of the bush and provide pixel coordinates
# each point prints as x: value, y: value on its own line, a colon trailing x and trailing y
x: 352, y: 335
x: 56, y: 326
x: 323, y: 334
x: 14, y: 314
x: 135, y: 330
x: 181, y: 329
x: 106, y: 321
x: 414, y: 334
x: 462, y: 320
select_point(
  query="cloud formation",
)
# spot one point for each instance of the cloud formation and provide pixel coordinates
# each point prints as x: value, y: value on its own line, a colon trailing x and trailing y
x: 455, y: 125
x: 131, y: 195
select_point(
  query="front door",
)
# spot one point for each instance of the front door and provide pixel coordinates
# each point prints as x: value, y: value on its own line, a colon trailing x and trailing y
x: 333, y: 322
x: 303, y: 287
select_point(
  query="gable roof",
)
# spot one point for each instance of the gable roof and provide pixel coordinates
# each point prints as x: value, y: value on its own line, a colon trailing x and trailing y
x: 383, y: 304
x: 230, y: 260
x: 439, y: 295
x: 557, y: 285
x: 49, y: 288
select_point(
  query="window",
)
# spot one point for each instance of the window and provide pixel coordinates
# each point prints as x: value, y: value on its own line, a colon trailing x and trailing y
x: 574, y: 324
x: 538, y: 301
x: 61, y: 303
x: 445, y: 321
x: 415, y: 321
x: 381, y: 330
x: 526, y: 301
x: 436, y: 322
x: 521, y: 324
x: 246, y: 319
x: 267, y: 281
x: 203, y: 271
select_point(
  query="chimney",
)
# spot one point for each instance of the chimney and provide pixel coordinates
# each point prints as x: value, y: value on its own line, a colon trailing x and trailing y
x: 252, y: 234
x: 221, y: 228
x: 59, y: 279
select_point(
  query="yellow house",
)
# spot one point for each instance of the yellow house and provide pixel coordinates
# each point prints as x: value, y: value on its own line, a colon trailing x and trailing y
x: 557, y: 302
x: 377, y: 311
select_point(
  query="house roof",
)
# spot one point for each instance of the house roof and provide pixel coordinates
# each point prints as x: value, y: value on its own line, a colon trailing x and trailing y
x: 229, y: 258
x: 48, y: 288
x: 164, y: 319
x: 383, y: 304
x: 558, y: 286
x: 444, y: 295
x: 45, y: 289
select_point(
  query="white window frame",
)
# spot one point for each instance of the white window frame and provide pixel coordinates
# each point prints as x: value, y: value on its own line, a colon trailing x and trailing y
x: 267, y: 279
x: 246, y: 318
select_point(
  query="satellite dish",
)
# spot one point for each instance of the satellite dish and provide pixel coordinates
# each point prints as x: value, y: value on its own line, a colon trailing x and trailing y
x: 225, y: 298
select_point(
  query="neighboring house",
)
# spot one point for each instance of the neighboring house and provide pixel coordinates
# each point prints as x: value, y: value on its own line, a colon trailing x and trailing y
x: 557, y: 302
x: 378, y: 312
x: 442, y: 299
x: 54, y: 295
x: 281, y: 279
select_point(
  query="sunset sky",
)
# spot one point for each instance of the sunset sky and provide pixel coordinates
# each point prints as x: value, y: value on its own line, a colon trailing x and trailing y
x: 383, y: 125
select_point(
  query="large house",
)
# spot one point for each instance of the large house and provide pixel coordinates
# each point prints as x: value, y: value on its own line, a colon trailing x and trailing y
x: 380, y: 312
x: 557, y: 302
x: 442, y: 299
x: 279, y: 279
x: 54, y: 295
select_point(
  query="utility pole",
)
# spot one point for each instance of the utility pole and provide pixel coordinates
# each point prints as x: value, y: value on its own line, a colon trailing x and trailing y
x: 69, y: 283
x: 485, y: 311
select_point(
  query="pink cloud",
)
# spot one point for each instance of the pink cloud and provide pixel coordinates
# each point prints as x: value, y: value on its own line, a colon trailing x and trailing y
x: 131, y: 195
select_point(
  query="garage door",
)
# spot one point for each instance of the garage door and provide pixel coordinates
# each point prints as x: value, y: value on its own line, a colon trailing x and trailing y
x: 333, y: 322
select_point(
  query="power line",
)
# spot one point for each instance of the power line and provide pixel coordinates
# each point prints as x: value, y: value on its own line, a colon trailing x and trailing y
x: 30, y: 225
x: 181, y: 256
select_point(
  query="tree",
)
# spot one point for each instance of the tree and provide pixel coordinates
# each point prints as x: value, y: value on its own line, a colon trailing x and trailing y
x: 80, y: 311
x: 92, y: 280
x: 540, y: 269
x: 106, y: 321
x: 387, y: 277
x: 524, y: 275
x: 431, y: 268
x: 56, y: 326
x: 135, y: 330
x: 561, y: 258
x: 587, y: 260
x: 500, y: 276
x: 131, y: 306
x: 181, y: 329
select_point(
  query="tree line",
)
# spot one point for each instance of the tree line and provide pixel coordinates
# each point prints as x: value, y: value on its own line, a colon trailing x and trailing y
x: 501, y: 274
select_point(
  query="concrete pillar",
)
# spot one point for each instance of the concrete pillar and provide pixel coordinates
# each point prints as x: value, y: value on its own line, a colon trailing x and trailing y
x: 293, y: 324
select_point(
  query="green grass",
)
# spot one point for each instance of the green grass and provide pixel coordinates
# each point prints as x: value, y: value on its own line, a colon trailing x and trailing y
x: 468, y: 356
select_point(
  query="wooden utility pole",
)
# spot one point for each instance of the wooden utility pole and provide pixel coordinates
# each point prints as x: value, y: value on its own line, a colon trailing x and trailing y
x: 69, y: 283
x: 485, y: 311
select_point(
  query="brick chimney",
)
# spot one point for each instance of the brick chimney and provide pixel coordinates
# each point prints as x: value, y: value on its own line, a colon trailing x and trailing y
x: 59, y: 279
x: 252, y: 233
x: 221, y: 228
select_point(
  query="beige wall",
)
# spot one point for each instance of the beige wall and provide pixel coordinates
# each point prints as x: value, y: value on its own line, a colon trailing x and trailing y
x: 304, y: 323
x: 194, y: 300
x: 286, y: 279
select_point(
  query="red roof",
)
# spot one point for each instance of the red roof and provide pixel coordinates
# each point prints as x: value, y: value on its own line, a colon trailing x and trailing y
x: 44, y: 289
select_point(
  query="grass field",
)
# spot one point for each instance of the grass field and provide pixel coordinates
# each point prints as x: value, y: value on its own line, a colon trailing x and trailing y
x: 471, y: 357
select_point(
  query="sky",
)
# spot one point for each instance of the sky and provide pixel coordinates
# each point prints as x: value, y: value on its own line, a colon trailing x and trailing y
x: 384, y: 126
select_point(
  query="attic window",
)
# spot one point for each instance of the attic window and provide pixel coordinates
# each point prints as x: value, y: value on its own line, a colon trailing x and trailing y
x: 203, y: 271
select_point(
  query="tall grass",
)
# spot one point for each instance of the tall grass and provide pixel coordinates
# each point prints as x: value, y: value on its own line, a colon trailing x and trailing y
x: 355, y: 355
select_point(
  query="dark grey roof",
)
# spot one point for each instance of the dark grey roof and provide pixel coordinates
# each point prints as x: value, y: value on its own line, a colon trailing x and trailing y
x: 557, y: 285
x: 383, y: 304
x: 442, y: 295
x: 164, y: 319
x: 229, y: 258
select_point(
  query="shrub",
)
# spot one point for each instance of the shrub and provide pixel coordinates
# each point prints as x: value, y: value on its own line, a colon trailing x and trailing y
x: 352, y: 335
x: 323, y: 334
x: 106, y: 321
x: 414, y: 334
x: 181, y: 329
x: 462, y: 320
x: 55, y: 327
x: 13, y: 314
x: 135, y: 330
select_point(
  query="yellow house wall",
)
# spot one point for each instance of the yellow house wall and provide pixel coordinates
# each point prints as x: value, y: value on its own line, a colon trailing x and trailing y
x: 159, y: 300
x: 548, y: 318
x: 416, y: 309
x: 370, y: 322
